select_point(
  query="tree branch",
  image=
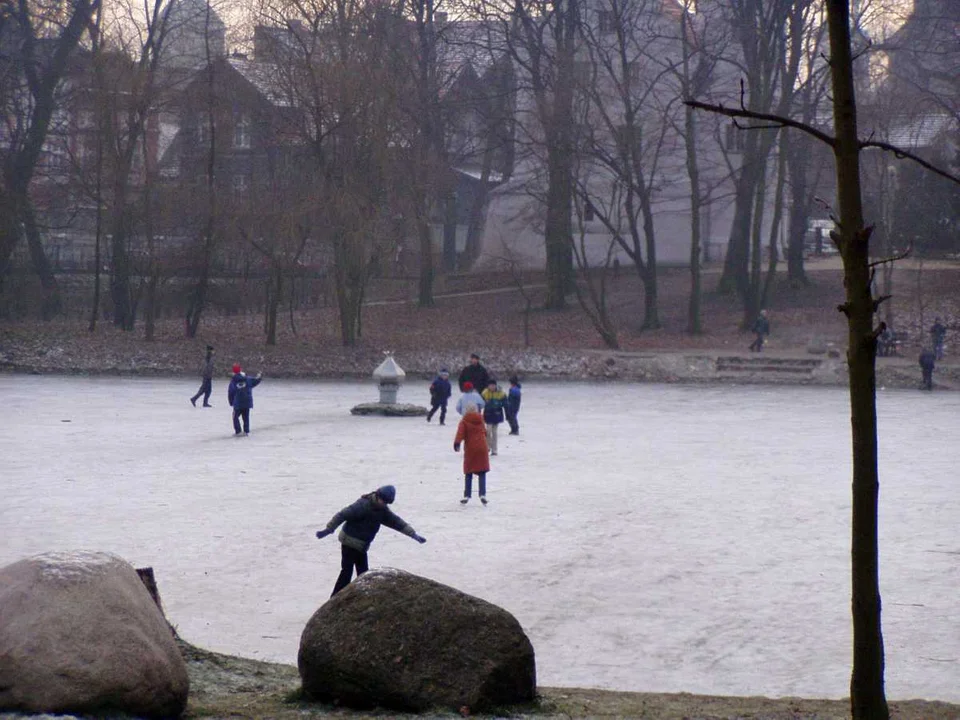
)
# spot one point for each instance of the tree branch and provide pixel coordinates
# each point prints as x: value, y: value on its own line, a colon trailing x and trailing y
x: 776, y: 120
x: 901, y: 154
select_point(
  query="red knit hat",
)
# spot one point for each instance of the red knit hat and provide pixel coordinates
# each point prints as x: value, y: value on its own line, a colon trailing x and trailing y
x: 468, y: 385
x: 236, y: 368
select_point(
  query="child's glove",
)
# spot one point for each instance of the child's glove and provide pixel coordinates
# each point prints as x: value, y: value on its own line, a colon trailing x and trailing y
x: 321, y: 534
x: 456, y: 447
x: 420, y: 539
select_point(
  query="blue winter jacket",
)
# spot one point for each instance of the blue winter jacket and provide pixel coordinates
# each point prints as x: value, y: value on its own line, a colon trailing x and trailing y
x: 470, y: 397
x: 240, y: 392
x: 513, y: 399
x: 363, y: 520
x: 440, y: 390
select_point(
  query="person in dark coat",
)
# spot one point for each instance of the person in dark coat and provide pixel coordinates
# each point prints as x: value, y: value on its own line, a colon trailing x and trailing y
x: 206, y: 384
x: 440, y: 393
x: 240, y: 395
x: 937, y: 335
x: 362, y: 523
x: 761, y: 327
x: 928, y: 360
x: 474, y: 373
x: 512, y: 409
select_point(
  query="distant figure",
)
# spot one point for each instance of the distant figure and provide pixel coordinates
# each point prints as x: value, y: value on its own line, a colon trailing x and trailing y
x: 937, y: 334
x: 928, y: 361
x: 206, y: 383
x: 470, y: 397
x: 761, y: 326
x: 616, y: 268
x: 513, y: 405
x: 494, y: 400
x: 440, y: 393
x: 363, y: 519
x: 476, y: 458
x: 474, y: 373
x: 240, y: 395
x: 885, y: 343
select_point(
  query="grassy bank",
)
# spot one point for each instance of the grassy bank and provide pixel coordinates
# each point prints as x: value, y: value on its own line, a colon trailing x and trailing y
x: 223, y: 686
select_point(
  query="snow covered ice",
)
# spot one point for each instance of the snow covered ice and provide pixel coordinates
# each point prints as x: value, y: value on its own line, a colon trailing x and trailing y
x: 650, y: 538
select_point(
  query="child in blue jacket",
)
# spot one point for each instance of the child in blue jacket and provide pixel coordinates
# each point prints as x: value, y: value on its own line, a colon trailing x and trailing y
x: 439, y: 395
x: 513, y: 405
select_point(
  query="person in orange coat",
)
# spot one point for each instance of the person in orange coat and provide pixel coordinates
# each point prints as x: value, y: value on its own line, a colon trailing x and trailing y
x: 476, y: 454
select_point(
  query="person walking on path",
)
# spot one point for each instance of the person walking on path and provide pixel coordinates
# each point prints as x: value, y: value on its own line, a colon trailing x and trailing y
x: 474, y: 373
x: 494, y: 399
x: 362, y: 521
x: 761, y: 326
x: 240, y: 395
x: 476, y: 455
x: 927, y: 363
x: 470, y: 397
x: 937, y: 335
x: 512, y: 409
x: 440, y: 393
x: 206, y: 384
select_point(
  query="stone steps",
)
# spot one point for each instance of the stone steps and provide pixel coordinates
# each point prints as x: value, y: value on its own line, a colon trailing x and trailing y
x: 767, y: 365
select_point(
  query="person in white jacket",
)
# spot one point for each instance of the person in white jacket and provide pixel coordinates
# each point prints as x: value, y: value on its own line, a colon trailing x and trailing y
x: 470, y: 397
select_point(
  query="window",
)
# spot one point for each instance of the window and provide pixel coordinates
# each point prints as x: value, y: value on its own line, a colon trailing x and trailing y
x: 607, y: 21
x: 734, y: 138
x: 633, y: 72
x: 582, y: 72
x: 241, y: 132
x: 622, y: 136
x: 241, y: 184
x: 589, y: 214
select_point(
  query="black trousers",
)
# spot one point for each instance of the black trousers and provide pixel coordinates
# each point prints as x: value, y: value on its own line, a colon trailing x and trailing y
x: 442, y: 405
x: 512, y: 421
x: 206, y: 387
x: 349, y: 558
x: 245, y: 415
x: 757, y: 345
x: 927, y: 378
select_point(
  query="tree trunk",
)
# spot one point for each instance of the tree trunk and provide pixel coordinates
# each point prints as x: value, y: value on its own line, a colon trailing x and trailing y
x: 773, y: 244
x: 276, y: 288
x: 150, y: 309
x: 48, y: 280
x: 798, y: 150
x: 694, y: 326
x: 867, y: 698
x: 558, y: 232
x: 425, y: 294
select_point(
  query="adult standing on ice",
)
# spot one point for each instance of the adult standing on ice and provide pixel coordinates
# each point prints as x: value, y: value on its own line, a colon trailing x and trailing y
x: 206, y: 380
x: 476, y: 453
x: 474, y: 373
x: 363, y: 520
x: 240, y: 395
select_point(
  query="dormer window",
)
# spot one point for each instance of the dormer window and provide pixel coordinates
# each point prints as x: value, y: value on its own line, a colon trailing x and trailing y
x: 241, y: 132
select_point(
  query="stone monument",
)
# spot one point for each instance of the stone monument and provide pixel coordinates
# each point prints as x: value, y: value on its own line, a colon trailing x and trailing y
x: 389, y: 376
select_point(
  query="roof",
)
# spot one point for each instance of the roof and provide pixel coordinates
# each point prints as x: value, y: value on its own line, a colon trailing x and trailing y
x: 265, y: 77
x: 920, y: 132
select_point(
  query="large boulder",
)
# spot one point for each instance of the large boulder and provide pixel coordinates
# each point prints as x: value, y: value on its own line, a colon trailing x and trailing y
x: 79, y: 633
x: 396, y: 640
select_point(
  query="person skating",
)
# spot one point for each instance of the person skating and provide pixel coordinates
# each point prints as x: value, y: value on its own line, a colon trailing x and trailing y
x: 512, y: 408
x: 927, y: 363
x: 476, y: 454
x: 440, y: 393
x: 362, y: 521
x: 494, y: 400
x: 937, y: 335
x: 470, y: 397
x: 206, y: 383
x: 474, y: 373
x: 240, y: 395
x: 761, y: 327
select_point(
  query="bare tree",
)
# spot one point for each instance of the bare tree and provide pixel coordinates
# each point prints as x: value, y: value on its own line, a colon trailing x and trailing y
x: 38, y: 41
x: 852, y: 237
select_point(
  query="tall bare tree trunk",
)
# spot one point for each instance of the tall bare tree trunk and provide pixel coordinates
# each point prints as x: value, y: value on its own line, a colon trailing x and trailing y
x: 867, y: 698
x: 694, y: 321
x: 48, y: 280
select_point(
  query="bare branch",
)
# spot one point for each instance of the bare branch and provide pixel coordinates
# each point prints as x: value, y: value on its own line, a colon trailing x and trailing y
x: 777, y: 120
x: 902, y: 154
x: 893, y: 258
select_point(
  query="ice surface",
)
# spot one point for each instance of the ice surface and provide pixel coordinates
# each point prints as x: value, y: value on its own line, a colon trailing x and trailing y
x: 646, y: 537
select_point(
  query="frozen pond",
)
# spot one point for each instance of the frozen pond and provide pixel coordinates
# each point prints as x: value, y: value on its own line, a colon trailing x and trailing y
x: 651, y: 538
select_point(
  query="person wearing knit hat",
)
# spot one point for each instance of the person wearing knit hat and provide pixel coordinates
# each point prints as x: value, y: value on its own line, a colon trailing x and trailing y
x: 206, y: 380
x: 440, y: 393
x: 470, y: 397
x: 362, y: 521
x: 240, y: 396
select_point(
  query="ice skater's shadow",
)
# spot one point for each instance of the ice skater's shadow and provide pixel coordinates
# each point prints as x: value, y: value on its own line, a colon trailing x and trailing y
x: 319, y: 423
